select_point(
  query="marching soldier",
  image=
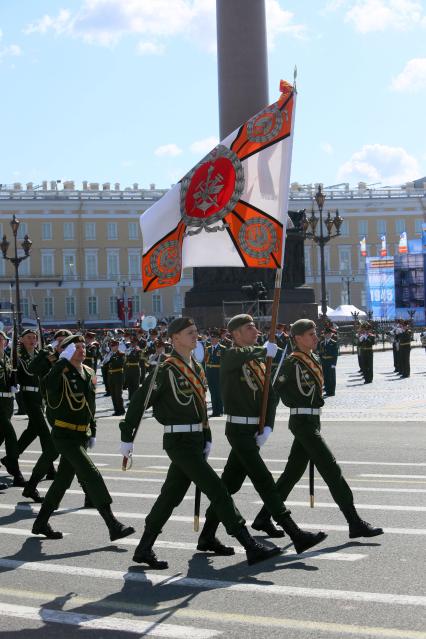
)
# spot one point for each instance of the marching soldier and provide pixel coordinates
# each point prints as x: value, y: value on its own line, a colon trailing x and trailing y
x: 116, y: 376
x: 7, y: 433
x: 224, y: 339
x: 328, y: 351
x: 179, y: 403
x: 92, y: 351
x: 366, y: 342
x: 132, y: 370
x: 70, y: 392
x: 300, y: 387
x: 159, y: 354
x: 405, y: 337
x: 213, y: 357
x: 242, y: 377
x: 281, y: 337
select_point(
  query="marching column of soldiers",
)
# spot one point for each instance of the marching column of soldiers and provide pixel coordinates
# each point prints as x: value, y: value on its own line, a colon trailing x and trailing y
x: 162, y: 369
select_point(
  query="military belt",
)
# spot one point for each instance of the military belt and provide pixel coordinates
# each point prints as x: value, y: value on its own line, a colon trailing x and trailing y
x: 305, y: 411
x: 213, y: 365
x: 115, y: 370
x: 6, y: 394
x: 366, y: 348
x: 233, y: 419
x: 79, y: 427
x: 183, y: 428
x: 132, y: 364
x: 405, y: 343
x: 32, y: 389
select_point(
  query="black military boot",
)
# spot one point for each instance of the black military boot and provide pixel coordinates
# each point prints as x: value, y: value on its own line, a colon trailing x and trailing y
x: 208, y: 542
x: 255, y: 552
x: 87, y: 501
x: 3, y: 486
x: 12, y: 467
x: 41, y: 525
x: 144, y: 553
x: 358, y: 527
x: 117, y: 530
x: 31, y: 492
x: 263, y: 523
x: 302, y: 539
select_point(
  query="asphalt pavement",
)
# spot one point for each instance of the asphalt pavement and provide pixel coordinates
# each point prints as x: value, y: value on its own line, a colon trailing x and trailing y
x: 85, y: 586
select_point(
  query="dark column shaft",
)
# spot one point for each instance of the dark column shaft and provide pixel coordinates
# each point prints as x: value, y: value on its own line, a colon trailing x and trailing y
x: 242, y: 61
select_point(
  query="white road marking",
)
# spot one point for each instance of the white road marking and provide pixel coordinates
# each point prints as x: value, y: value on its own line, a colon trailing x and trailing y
x: 115, y: 494
x: 328, y: 504
x: 393, y: 476
x: 20, y: 532
x: 167, y: 580
x: 90, y: 512
x: 153, y: 629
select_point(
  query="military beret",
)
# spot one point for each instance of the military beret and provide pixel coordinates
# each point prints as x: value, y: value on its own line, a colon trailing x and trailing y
x: 113, y: 342
x: 239, y: 320
x: 179, y: 324
x: 63, y: 332
x: 301, y: 326
x: 281, y: 325
x: 29, y: 331
x: 72, y: 339
x: 90, y: 334
x: 3, y: 334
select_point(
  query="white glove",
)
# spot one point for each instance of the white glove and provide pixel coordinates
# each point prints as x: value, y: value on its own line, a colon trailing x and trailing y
x: 54, y: 343
x: 126, y: 448
x: 207, y: 449
x: 122, y: 347
x: 68, y: 352
x: 271, y: 349
x: 15, y: 389
x: 91, y: 443
x: 261, y: 439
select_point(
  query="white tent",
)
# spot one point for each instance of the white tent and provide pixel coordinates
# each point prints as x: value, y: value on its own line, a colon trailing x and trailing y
x: 329, y: 310
x: 344, y: 312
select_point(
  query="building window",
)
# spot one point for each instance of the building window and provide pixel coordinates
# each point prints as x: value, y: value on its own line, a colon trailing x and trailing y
x: 25, y: 307
x: 70, y: 306
x: 92, y: 305
x: 90, y: 230
x: 112, y: 231
x: 133, y: 231
x: 46, y: 231
x: 48, y: 307
x: 345, y: 259
x: 157, y: 305
x: 22, y: 231
x: 2, y: 266
x: 363, y: 297
x: 418, y: 225
x: 134, y: 265
x: 362, y: 228
x: 113, y: 307
x: 136, y: 305
x: 70, y: 269
x: 91, y: 265
x: 381, y: 227
x: 113, y: 265
x: 68, y: 230
x: 344, y: 299
x: 344, y: 229
x: 47, y: 264
x: 326, y: 259
x: 308, y: 262
x: 399, y: 226
x: 25, y: 265
x: 177, y: 302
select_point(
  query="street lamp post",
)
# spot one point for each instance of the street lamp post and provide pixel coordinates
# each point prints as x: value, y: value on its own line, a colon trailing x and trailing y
x: 15, y: 260
x: 348, y: 281
x: 123, y: 286
x: 309, y: 225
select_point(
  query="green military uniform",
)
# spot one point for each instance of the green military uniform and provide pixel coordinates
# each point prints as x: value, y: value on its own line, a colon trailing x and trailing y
x: 404, y: 348
x: 115, y: 372
x: 7, y: 432
x: 92, y: 355
x: 328, y: 351
x: 212, y: 358
x: 366, y: 343
x: 132, y: 370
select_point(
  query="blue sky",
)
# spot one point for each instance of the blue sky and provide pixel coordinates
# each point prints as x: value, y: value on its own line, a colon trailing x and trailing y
x: 126, y: 90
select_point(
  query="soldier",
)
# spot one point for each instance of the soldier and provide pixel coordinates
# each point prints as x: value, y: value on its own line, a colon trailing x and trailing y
x: 328, y: 351
x: 92, y: 351
x: 281, y: 337
x: 132, y: 371
x: 242, y: 377
x: 7, y: 433
x: 405, y: 337
x: 224, y: 339
x: 213, y: 355
x: 179, y: 403
x: 158, y: 355
x: 366, y: 342
x: 32, y: 398
x: 70, y: 391
x: 299, y: 386
x: 116, y: 376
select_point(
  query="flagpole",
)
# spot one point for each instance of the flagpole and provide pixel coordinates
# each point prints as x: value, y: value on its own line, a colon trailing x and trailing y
x: 275, y: 304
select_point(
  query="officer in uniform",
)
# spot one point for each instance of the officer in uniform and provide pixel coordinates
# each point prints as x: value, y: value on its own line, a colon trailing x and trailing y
x: 70, y: 391
x: 116, y: 377
x: 132, y: 371
x: 405, y: 337
x: 242, y: 377
x: 281, y: 337
x: 7, y: 433
x: 212, y: 357
x: 224, y: 339
x: 366, y: 341
x: 328, y: 351
x: 92, y: 351
x: 299, y: 386
x: 178, y: 400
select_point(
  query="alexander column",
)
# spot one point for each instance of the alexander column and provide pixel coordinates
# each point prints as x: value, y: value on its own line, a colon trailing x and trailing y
x: 243, y: 92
